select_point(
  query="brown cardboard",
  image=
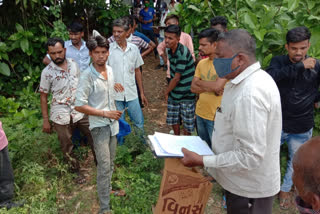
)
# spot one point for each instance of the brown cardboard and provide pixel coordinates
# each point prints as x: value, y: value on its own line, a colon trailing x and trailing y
x: 183, y: 190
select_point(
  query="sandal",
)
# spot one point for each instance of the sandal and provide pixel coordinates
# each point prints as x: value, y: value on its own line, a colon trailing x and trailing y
x: 80, y: 179
x: 118, y: 192
x: 284, y: 203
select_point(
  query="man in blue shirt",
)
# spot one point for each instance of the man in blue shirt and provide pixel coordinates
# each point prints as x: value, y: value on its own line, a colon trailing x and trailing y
x: 147, y: 16
x: 75, y: 47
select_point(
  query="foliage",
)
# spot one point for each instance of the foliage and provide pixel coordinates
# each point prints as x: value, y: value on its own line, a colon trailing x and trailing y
x: 267, y: 21
x: 22, y: 42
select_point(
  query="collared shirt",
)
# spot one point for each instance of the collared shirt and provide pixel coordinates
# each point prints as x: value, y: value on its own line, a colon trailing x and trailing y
x: 140, y: 43
x: 181, y: 62
x: 246, y: 136
x: 303, y: 208
x: 298, y: 90
x: 185, y: 39
x: 63, y: 85
x: 124, y: 64
x: 81, y: 56
x: 3, y: 138
x: 92, y: 87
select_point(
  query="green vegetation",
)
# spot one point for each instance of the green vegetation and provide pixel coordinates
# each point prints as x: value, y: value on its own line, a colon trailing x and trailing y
x: 41, y: 177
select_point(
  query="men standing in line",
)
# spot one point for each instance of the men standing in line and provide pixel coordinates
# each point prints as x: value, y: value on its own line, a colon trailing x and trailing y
x: 298, y: 77
x: 306, y: 176
x: 185, y: 39
x: 247, y: 129
x: 180, y: 100
x: 60, y: 78
x: 125, y: 59
x: 208, y: 85
x: 75, y: 47
x: 96, y: 82
x: 220, y: 23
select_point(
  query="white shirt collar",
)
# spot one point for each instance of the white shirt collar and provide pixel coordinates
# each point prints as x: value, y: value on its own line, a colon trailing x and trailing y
x: 247, y: 72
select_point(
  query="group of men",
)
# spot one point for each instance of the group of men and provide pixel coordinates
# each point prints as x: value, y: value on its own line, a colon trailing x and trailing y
x: 243, y: 112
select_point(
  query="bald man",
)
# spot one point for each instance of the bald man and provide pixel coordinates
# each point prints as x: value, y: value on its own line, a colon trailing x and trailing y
x: 306, y: 176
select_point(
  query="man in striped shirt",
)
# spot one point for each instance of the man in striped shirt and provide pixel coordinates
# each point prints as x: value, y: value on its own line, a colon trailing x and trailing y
x: 180, y: 99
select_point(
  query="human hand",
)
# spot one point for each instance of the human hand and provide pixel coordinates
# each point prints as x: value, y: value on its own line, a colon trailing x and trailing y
x: 118, y: 87
x: 113, y: 114
x: 144, y: 100
x: 220, y: 92
x: 191, y: 159
x: 309, y: 63
x: 46, y: 127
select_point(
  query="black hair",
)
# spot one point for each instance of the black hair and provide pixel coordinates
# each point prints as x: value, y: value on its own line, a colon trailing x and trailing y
x: 97, y: 41
x: 121, y: 22
x: 210, y: 33
x: 298, y: 34
x: 239, y: 40
x: 131, y: 19
x: 53, y: 41
x: 173, y: 29
x: 219, y: 20
x: 75, y: 27
x: 172, y: 16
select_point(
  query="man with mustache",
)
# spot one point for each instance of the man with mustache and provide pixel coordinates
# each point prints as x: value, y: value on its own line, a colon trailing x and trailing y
x: 125, y: 59
x: 61, y: 78
x: 297, y: 76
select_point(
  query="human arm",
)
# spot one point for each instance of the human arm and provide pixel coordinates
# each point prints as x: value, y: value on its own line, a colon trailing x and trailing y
x: 162, y: 51
x: 199, y: 86
x: 46, y: 60
x: 173, y: 83
x: 86, y: 109
x: 146, y: 51
x: 84, y: 89
x: 248, y: 144
x: 138, y: 76
x: 46, y: 127
x: 281, y: 68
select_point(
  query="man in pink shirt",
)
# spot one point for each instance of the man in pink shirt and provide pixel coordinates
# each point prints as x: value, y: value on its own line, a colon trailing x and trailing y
x: 185, y: 39
x: 6, y: 174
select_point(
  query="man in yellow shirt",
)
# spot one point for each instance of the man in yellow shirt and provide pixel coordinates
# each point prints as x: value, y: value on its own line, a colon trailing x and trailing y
x: 208, y: 85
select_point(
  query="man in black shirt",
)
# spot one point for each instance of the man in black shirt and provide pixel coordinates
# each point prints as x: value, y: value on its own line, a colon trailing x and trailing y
x: 297, y: 76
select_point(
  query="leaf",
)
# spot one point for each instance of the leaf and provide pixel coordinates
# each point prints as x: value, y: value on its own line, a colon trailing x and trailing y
x: 260, y: 34
x: 292, y: 5
x: 19, y: 27
x: 4, y: 69
x: 194, y: 8
x: 251, y: 20
x: 187, y: 28
x: 24, y: 44
x: 17, y: 1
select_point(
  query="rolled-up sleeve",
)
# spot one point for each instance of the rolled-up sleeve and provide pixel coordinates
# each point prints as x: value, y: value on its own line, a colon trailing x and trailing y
x: 249, y: 137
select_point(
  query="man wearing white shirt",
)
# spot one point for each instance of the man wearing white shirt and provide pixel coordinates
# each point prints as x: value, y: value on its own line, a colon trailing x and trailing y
x: 125, y: 59
x: 246, y: 136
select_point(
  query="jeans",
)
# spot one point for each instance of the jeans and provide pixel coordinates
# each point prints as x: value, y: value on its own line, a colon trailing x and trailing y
x: 294, y: 141
x: 105, y: 148
x: 135, y: 114
x: 205, y: 129
x: 160, y: 39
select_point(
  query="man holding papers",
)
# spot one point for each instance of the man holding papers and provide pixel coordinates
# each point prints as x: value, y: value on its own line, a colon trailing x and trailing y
x: 247, y: 129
